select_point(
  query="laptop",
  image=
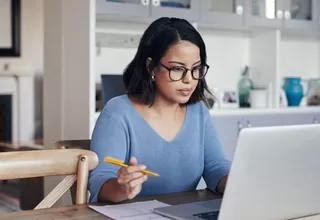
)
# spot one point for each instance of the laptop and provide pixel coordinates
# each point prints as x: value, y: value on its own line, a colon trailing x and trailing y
x: 275, y: 174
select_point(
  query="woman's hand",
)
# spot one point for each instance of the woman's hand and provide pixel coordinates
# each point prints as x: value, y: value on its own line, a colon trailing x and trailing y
x: 131, y: 178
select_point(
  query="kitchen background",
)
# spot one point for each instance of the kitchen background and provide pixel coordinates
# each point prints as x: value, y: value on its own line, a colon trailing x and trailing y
x: 274, y: 39
x: 263, y: 56
x: 271, y: 52
x: 237, y: 33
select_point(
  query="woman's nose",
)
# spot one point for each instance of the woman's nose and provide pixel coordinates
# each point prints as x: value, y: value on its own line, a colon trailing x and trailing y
x: 188, y: 77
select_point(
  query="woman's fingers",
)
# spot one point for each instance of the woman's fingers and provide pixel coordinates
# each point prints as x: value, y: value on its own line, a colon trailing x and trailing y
x: 131, y: 169
x: 138, y: 181
x: 123, y: 179
x: 131, y: 178
x: 133, y: 161
x: 135, y: 186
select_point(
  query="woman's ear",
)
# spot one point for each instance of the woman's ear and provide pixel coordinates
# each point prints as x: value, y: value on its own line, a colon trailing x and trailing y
x: 148, y: 64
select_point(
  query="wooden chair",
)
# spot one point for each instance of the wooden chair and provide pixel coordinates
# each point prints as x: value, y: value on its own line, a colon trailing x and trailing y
x: 74, y: 163
x: 73, y: 144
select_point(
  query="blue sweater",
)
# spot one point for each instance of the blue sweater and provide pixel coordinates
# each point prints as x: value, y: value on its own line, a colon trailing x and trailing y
x: 122, y: 132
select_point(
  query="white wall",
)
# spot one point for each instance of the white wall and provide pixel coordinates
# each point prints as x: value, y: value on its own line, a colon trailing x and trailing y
x: 228, y: 53
x: 69, y: 73
x: 31, y: 47
x: 300, y: 57
x: 31, y: 36
x: 5, y: 24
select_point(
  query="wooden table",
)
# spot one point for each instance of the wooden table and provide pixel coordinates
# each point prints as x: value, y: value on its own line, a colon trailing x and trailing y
x: 82, y: 212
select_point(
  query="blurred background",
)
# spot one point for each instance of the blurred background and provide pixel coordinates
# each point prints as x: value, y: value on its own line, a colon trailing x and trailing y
x: 61, y: 61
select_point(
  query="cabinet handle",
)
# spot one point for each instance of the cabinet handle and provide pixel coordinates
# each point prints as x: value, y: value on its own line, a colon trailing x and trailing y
x: 239, y: 126
x: 145, y: 2
x: 315, y: 121
x: 279, y: 14
x: 239, y: 10
x: 156, y: 3
x: 287, y: 15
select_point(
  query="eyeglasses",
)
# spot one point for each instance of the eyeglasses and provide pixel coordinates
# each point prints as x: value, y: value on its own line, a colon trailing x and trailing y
x: 177, y: 73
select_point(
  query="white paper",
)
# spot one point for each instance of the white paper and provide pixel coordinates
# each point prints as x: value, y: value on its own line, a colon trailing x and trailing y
x: 130, y: 211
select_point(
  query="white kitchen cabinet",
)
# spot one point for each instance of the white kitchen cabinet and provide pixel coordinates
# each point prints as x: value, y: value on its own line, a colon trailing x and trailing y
x: 284, y: 14
x: 301, y: 14
x: 222, y: 12
x: 187, y: 9
x: 228, y: 126
x: 300, y: 119
x: 128, y: 8
x: 145, y: 10
x: 262, y: 120
x: 264, y: 13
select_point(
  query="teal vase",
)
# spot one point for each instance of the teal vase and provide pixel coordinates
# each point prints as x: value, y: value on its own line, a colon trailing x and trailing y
x: 294, y: 90
x: 245, y: 84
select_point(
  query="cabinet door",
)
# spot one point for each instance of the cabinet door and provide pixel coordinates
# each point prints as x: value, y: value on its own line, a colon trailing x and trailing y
x: 126, y: 8
x: 264, y: 13
x: 302, y: 14
x: 228, y: 128
x: 187, y: 9
x: 298, y: 118
x: 262, y: 120
x: 316, y: 118
x: 222, y: 12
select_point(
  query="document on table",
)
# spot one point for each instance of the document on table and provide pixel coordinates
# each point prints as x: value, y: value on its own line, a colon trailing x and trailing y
x: 131, y: 211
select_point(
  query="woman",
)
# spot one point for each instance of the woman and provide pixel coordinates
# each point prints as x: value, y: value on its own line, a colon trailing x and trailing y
x: 161, y: 123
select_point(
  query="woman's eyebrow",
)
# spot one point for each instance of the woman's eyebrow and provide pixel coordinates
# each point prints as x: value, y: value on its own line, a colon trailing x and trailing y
x: 177, y: 62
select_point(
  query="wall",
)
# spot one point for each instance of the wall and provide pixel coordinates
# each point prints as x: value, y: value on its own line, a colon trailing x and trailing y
x: 5, y: 26
x: 31, y: 36
x: 69, y: 73
x: 31, y: 47
x: 228, y: 53
x: 300, y: 57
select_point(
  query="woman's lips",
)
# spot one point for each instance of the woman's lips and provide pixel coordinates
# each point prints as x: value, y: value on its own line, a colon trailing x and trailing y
x: 186, y: 91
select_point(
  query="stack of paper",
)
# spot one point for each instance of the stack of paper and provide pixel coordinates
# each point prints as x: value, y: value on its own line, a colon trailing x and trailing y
x: 132, y: 211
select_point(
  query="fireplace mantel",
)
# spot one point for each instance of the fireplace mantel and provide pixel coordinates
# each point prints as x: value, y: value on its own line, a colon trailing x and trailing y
x: 19, y: 83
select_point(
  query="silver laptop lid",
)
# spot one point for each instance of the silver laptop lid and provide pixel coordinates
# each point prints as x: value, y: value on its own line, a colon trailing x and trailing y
x: 275, y: 174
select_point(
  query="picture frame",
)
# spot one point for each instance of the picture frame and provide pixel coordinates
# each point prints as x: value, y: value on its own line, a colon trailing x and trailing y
x: 10, y: 28
x: 228, y: 99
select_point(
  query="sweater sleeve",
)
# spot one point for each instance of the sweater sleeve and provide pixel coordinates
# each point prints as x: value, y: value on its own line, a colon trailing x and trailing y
x: 108, y: 139
x: 216, y: 165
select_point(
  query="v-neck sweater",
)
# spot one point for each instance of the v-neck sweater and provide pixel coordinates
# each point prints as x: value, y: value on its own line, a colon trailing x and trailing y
x: 195, y: 152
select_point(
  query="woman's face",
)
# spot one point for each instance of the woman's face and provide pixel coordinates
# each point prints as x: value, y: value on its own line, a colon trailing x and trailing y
x: 180, y: 56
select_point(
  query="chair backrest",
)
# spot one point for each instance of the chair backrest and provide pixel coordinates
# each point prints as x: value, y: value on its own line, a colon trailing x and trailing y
x: 73, y: 144
x: 74, y: 163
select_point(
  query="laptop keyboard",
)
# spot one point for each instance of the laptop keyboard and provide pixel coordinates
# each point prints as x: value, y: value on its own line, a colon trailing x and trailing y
x: 208, y: 215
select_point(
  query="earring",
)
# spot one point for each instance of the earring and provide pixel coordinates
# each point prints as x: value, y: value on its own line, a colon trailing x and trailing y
x: 152, y: 77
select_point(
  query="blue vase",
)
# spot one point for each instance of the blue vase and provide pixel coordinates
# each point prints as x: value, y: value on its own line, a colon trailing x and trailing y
x: 294, y: 90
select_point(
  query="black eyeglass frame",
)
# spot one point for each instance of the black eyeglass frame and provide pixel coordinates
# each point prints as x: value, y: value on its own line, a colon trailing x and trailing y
x: 186, y: 71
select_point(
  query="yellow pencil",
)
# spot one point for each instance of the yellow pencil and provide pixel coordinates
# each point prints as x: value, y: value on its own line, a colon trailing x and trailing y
x: 121, y: 163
